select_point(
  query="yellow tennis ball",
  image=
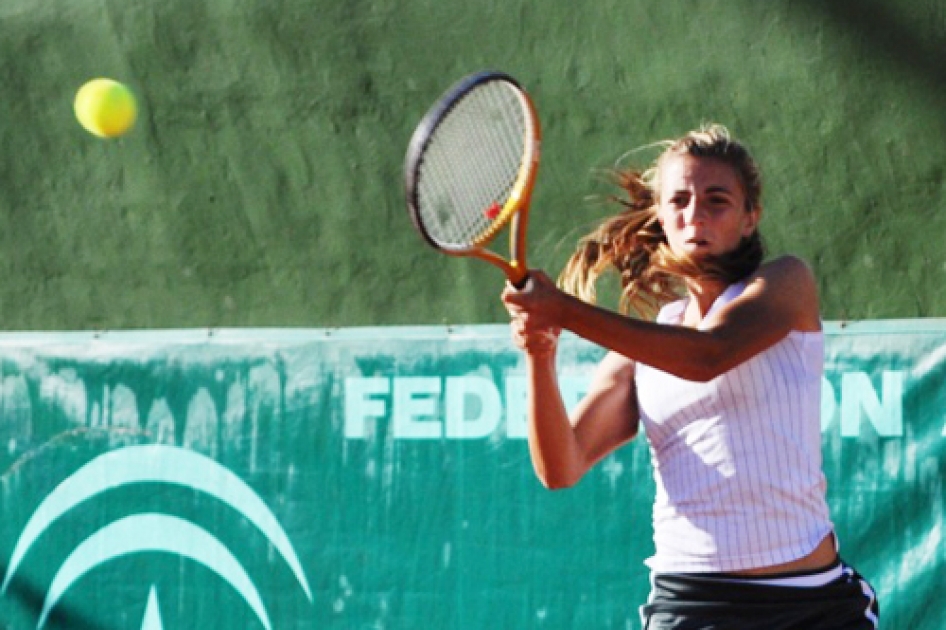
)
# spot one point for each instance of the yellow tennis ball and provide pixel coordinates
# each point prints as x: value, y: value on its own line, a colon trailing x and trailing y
x: 106, y: 108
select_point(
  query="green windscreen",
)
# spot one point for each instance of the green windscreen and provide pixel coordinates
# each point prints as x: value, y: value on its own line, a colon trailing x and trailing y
x: 379, y: 477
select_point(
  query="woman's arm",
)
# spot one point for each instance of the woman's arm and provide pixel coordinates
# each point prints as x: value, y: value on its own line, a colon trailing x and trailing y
x: 779, y: 298
x: 564, y: 448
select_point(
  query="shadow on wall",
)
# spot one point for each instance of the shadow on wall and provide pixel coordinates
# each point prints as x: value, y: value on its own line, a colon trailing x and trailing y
x: 887, y: 34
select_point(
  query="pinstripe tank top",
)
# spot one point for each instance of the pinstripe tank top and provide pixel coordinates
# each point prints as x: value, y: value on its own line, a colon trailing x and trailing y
x: 737, y: 460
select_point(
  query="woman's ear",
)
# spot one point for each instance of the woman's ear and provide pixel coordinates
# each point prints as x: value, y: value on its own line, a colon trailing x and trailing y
x: 753, y: 217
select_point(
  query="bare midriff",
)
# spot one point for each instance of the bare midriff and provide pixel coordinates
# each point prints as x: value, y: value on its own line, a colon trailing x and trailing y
x: 822, y: 557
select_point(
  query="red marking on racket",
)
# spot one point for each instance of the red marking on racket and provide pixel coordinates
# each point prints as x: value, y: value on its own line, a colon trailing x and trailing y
x: 493, y: 211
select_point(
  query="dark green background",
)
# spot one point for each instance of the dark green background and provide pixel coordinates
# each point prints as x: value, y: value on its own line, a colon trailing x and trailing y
x: 262, y: 184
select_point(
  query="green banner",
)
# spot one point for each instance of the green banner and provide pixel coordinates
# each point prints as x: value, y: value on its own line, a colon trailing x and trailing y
x: 379, y: 478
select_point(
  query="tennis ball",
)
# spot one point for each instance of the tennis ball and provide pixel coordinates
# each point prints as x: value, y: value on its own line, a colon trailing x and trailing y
x: 106, y: 108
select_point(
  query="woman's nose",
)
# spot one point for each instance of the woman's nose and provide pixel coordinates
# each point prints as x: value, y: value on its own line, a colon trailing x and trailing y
x: 694, y: 213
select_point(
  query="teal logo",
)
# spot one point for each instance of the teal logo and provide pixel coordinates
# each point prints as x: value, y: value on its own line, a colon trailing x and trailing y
x: 154, y: 532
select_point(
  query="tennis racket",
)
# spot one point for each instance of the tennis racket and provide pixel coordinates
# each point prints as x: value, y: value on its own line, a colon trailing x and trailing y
x: 470, y: 170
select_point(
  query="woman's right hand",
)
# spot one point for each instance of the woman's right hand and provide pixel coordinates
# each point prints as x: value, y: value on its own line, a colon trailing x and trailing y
x: 532, y: 329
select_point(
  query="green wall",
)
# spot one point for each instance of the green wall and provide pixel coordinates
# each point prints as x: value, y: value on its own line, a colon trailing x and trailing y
x: 262, y: 185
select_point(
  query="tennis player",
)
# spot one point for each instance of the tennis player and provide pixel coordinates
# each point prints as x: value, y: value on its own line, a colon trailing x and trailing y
x: 727, y: 385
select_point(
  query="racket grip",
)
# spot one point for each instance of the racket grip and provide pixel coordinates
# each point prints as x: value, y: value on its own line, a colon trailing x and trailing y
x: 519, y: 277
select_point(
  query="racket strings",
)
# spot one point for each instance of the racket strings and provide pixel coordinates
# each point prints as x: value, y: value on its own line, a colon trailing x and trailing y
x: 472, y: 164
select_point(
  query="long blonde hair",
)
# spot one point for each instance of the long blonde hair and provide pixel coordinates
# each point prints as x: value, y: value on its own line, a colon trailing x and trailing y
x: 633, y: 243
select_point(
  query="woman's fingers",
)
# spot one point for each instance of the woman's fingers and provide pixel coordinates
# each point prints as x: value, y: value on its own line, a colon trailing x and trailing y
x: 532, y: 329
x: 535, y: 302
x: 534, y: 338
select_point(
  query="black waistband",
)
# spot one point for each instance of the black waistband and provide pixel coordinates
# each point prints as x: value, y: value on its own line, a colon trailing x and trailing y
x: 694, y: 588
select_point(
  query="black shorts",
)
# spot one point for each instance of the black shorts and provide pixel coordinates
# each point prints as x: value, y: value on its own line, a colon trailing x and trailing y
x: 691, y: 601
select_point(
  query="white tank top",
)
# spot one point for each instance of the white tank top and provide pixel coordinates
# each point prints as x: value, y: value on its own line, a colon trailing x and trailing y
x: 737, y: 460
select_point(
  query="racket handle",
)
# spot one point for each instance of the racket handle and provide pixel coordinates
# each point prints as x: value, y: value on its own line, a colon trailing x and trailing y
x: 518, y: 277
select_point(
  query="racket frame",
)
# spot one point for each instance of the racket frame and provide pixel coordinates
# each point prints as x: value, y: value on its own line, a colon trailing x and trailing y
x: 515, y: 211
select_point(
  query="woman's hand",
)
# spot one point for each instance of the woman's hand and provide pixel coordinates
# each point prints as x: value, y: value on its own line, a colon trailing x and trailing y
x: 532, y: 310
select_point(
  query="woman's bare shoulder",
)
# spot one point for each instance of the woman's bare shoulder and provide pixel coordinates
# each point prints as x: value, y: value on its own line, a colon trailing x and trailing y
x: 792, y: 282
x: 788, y: 265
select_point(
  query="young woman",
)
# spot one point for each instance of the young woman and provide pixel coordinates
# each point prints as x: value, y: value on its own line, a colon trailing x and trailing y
x: 726, y: 382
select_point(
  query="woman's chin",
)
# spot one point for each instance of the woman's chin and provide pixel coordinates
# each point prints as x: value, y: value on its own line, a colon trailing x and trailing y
x: 698, y: 252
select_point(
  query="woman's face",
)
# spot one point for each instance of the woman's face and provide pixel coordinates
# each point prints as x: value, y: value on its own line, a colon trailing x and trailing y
x: 702, y: 206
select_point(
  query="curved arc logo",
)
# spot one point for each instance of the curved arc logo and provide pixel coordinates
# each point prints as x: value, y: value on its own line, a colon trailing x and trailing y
x: 152, y: 532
